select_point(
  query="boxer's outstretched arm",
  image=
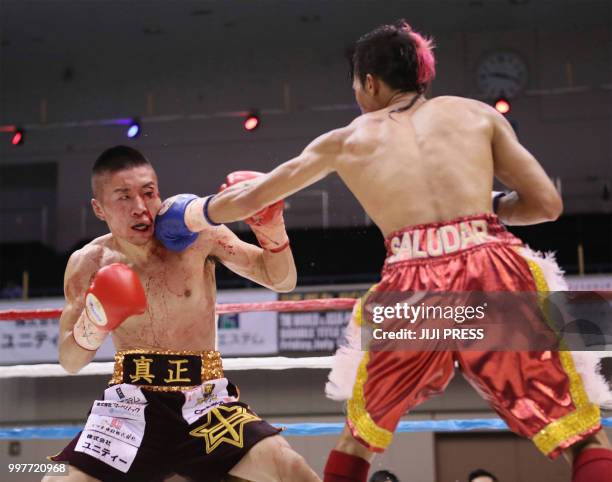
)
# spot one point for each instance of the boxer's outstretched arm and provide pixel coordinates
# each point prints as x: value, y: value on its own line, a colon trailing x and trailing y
x: 275, y: 271
x: 535, y: 199
x: 245, y: 199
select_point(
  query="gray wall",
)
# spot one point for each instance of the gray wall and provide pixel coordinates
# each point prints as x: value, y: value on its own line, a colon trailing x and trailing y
x: 286, y: 58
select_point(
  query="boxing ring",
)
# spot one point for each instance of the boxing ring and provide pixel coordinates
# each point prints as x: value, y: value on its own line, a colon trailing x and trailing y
x: 230, y: 364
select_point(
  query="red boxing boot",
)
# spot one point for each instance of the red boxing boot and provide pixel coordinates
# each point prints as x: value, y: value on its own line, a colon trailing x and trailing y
x: 593, y: 465
x: 343, y: 467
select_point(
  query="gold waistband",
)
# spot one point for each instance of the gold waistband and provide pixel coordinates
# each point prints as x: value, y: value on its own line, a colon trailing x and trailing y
x: 166, y: 370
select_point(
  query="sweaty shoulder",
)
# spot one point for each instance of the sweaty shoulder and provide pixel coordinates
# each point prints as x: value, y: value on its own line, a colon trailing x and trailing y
x: 454, y: 105
x: 328, y: 148
x: 332, y: 141
x: 83, y: 264
x: 93, y: 252
x: 360, y: 132
x: 461, y: 114
x: 364, y: 121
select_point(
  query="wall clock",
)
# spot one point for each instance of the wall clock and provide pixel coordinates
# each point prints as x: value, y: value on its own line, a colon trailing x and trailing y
x: 501, y: 74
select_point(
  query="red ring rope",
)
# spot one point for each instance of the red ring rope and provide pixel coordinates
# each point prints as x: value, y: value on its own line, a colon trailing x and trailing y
x: 327, y: 304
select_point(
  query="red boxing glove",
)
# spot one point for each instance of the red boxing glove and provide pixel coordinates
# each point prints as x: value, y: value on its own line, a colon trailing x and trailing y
x: 267, y: 224
x: 114, y: 295
x: 267, y: 215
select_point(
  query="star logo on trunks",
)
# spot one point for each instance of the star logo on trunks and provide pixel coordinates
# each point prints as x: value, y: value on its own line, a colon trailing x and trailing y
x: 224, y: 424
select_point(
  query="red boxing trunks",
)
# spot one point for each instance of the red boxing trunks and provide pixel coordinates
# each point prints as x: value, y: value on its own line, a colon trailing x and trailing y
x: 539, y: 394
x: 165, y: 413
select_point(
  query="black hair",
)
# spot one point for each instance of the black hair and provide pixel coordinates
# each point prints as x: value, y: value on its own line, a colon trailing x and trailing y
x: 383, y: 476
x: 116, y: 159
x: 395, y: 53
x: 481, y: 473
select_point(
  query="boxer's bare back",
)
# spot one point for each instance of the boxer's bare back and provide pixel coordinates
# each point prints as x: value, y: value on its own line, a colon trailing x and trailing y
x: 432, y: 162
x: 406, y: 167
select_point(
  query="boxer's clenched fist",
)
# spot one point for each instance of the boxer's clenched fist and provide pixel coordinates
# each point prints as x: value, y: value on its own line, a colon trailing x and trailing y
x: 114, y: 295
x: 267, y: 215
x: 267, y: 224
x: 170, y: 224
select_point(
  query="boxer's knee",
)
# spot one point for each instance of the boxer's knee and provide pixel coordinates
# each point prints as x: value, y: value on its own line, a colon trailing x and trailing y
x: 289, y: 465
x: 273, y: 460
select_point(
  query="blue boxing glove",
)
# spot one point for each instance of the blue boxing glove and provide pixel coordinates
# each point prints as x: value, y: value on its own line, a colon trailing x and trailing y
x: 170, y: 227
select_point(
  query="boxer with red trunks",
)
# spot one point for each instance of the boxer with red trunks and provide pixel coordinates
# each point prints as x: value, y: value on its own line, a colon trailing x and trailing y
x: 423, y: 170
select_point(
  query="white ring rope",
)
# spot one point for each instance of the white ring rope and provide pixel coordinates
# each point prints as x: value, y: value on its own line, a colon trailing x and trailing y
x: 229, y: 364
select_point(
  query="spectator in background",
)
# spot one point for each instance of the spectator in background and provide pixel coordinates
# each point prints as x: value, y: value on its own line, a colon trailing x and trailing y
x: 383, y: 476
x: 481, y: 475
